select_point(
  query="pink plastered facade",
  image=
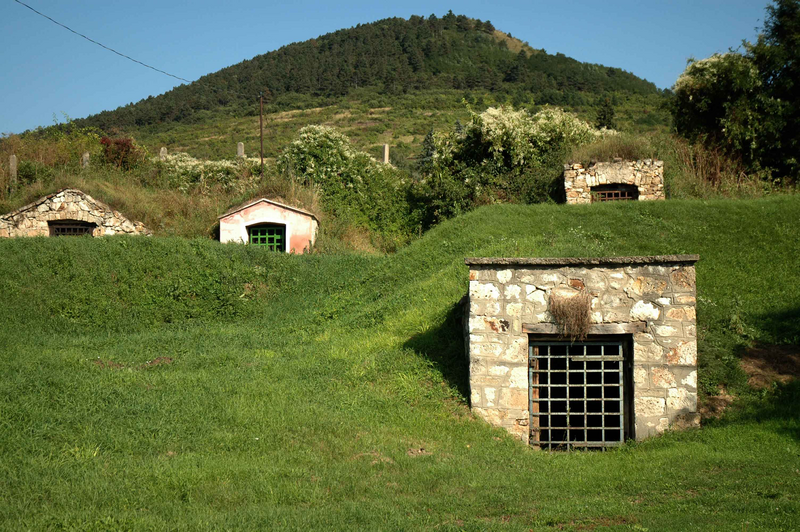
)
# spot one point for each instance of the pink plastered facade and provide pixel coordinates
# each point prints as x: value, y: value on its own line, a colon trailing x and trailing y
x: 301, y: 226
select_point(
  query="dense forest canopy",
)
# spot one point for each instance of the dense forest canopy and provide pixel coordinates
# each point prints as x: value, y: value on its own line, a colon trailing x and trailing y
x: 395, y: 55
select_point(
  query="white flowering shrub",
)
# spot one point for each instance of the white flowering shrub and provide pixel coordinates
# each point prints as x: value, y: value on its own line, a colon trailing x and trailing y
x: 503, y: 154
x: 184, y: 172
x: 352, y: 184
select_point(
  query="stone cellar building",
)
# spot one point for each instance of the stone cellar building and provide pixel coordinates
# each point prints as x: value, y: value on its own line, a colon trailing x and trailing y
x: 618, y: 180
x: 68, y: 212
x: 633, y: 374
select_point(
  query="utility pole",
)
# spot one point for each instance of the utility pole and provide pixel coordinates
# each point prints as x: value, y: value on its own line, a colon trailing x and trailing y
x: 261, y: 129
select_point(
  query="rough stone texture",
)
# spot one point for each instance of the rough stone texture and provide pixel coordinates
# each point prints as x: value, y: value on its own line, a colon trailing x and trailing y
x: 162, y: 153
x: 386, y: 154
x: 647, y: 175
x: 67, y: 205
x: 651, y: 300
x: 240, y: 149
x: 85, y: 159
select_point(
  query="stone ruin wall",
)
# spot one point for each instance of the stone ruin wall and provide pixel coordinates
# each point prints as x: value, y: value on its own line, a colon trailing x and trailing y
x: 69, y: 204
x: 652, y: 299
x: 647, y: 175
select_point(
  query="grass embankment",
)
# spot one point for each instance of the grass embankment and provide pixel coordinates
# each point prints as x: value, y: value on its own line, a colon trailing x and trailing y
x: 163, y: 383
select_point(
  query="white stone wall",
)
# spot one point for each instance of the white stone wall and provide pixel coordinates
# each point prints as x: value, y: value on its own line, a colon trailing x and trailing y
x: 68, y: 204
x: 647, y: 175
x: 651, y: 299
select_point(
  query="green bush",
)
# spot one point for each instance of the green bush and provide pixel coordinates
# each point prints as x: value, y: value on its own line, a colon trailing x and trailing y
x: 503, y: 154
x: 29, y: 172
x: 352, y: 185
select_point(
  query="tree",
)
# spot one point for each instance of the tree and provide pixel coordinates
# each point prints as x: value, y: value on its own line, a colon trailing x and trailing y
x: 605, y: 115
x: 776, y: 55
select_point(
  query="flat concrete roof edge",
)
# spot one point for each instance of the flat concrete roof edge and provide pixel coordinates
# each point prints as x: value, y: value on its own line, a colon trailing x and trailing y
x: 578, y: 261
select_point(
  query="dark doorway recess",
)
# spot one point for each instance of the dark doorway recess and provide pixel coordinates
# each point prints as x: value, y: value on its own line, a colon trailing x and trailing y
x: 580, y: 392
x: 71, y: 228
x: 616, y: 192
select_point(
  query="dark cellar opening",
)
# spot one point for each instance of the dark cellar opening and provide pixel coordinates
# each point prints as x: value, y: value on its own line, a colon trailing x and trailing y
x: 580, y: 392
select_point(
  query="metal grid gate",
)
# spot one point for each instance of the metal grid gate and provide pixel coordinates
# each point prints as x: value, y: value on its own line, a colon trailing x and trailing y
x: 612, y: 195
x: 72, y: 229
x: 577, y: 394
x: 271, y: 236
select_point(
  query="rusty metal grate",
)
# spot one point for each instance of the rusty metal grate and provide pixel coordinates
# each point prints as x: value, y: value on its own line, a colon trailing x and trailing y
x: 615, y: 192
x: 73, y: 228
x: 611, y: 195
x: 577, y: 394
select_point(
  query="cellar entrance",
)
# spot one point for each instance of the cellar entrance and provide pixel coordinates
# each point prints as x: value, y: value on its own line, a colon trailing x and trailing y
x: 580, y: 392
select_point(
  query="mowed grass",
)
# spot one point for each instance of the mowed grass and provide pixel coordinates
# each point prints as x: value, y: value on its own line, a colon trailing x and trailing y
x: 151, y: 384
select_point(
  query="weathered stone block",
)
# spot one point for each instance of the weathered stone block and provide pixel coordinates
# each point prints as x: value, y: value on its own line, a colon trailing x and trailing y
x: 683, y: 279
x: 642, y: 311
x: 684, y: 354
x: 662, y: 377
x: 512, y: 291
x: 479, y: 290
x: 503, y: 276
x: 681, y: 399
x: 518, y: 378
x: 650, y: 406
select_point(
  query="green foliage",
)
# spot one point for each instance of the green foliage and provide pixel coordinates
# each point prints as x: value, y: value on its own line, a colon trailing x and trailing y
x: 719, y: 101
x: 43, y: 152
x: 122, y: 152
x: 605, y: 115
x: 335, y: 394
x: 394, y: 56
x: 609, y: 147
x: 503, y: 154
x: 29, y: 172
x: 351, y: 184
x: 747, y: 104
x: 183, y: 172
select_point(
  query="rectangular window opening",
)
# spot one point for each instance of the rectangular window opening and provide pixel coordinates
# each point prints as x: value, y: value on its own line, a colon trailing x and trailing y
x: 270, y: 236
x: 580, y: 392
x: 615, y: 192
x: 71, y: 228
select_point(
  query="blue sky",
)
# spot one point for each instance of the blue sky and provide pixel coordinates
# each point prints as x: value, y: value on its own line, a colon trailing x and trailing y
x: 46, y: 70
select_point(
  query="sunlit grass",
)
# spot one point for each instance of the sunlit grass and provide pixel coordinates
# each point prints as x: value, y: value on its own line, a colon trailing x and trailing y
x: 140, y: 391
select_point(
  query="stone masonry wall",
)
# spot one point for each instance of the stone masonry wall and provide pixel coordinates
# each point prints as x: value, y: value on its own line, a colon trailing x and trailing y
x: 68, y: 204
x: 647, y: 175
x: 652, y: 299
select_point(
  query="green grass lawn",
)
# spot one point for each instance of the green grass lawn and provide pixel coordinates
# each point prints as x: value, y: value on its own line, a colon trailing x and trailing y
x: 151, y: 384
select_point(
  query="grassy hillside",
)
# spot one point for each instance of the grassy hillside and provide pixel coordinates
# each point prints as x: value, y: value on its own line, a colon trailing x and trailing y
x: 370, y: 119
x: 165, y: 383
x: 391, y: 56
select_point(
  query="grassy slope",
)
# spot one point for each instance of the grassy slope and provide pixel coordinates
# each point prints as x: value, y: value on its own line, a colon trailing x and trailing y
x: 301, y: 389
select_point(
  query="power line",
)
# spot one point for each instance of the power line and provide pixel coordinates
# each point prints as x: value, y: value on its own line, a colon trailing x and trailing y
x: 100, y: 44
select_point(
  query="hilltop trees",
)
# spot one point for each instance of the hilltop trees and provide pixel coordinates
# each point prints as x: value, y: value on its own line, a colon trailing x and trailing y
x: 393, y: 56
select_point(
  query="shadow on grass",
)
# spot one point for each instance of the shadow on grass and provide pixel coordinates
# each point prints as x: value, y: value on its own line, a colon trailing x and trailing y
x: 779, y: 406
x: 773, y: 371
x: 782, y: 327
x: 444, y: 346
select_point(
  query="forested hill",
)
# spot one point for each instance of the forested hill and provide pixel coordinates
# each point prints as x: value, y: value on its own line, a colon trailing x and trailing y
x: 394, y: 55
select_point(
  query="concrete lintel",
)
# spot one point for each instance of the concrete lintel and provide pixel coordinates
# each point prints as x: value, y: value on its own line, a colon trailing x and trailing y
x: 600, y: 328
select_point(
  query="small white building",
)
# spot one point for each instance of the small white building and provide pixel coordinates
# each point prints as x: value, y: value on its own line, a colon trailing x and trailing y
x: 267, y: 223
